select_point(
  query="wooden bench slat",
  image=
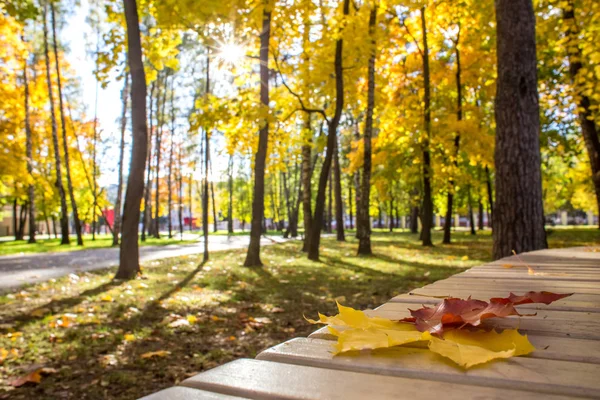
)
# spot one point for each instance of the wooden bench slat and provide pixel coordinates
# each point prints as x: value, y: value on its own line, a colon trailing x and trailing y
x: 186, y: 393
x: 571, y: 306
x: 486, y: 294
x: 273, y: 380
x: 543, y: 376
x: 515, y: 287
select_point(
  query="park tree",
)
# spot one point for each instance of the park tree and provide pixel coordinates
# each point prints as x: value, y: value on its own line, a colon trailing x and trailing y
x: 518, y: 211
x: 129, y: 264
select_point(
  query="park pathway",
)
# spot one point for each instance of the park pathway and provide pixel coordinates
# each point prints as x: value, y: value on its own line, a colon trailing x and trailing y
x: 17, y: 270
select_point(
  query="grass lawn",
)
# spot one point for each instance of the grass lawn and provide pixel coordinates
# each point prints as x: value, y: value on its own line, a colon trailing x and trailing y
x: 123, y: 340
x: 12, y: 247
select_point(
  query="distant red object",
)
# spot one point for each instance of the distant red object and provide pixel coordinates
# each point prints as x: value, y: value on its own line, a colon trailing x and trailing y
x: 109, y: 215
x: 186, y: 221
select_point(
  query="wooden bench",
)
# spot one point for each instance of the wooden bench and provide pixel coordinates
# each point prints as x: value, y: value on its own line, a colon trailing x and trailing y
x: 566, y: 334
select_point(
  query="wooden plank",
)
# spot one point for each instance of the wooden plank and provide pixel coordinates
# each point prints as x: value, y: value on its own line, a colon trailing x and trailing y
x: 559, y: 306
x: 525, y: 281
x: 474, y: 273
x: 581, y: 327
x: 270, y: 380
x: 486, y: 294
x: 523, y: 373
x: 516, y: 287
x: 548, y: 347
x: 185, y: 393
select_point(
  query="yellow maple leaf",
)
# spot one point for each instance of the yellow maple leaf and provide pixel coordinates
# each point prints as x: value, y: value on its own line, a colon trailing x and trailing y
x: 107, y: 298
x: 469, y: 348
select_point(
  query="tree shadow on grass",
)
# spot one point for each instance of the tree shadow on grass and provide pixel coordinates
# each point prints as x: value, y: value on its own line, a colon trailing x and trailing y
x: 57, y: 306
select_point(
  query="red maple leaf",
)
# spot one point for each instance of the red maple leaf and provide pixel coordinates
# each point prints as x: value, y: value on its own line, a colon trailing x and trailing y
x: 459, y: 312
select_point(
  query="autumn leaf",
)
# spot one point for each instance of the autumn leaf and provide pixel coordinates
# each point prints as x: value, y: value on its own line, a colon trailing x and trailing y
x: 469, y: 348
x: 159, y: 353
x: 106, y: 298
x: 457, y: 312
x: 34, y: 376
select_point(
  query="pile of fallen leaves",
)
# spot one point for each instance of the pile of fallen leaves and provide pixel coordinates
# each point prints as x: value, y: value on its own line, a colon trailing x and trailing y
x: 451, y: 329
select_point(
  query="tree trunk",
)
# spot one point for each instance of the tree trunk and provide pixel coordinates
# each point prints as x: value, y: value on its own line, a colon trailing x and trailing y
x: 363, y: 219
x: 518, y: 214
x: 160, y: 122
x: 330, y: 202
x: 427, y: 212
x: 63, y: 123
x: 54, y: 227
x: 480, y: 219
x: 317, y: 224
x: 589, y: 130
x: 471, y: 217
x: 129, y: 254
x: 118, y: 202
x: 190, y: 203
x: 452, y: 187
x: 230, y: 205
x: 258, y: 200
x: 414, y: 220
x: 180, y: 191
x: 391, y: 216
x: 170, y: 177
x: 339, y: 203
x: 64, y: 216
x: 206, y: 160
x: 490, y: 196
x: 306, y: 184
x: 15, y: 218
x: 29, y: 150
x: 350, y: 202
x: 148, y: 187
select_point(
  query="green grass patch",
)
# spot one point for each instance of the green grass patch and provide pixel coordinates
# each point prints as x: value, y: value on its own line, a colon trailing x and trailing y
x: 15, y: 247
x: 123, y: 340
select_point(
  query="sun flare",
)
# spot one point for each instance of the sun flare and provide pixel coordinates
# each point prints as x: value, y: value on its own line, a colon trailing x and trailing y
x: 231, y: 53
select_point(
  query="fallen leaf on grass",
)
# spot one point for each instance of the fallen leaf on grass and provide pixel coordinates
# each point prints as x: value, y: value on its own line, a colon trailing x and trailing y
x: 129, y: 337
x: 178, y: 323
x: 34, y: 376
x: 159, y: 353
x: 107, y: 298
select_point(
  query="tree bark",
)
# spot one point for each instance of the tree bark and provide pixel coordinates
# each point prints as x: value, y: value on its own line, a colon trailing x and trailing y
x: 480, y: 219
x: 363, y: 219
x: 471, y: 216
x: 518, y: 213
x: 339, y: 203
x: 170, y: 176
x: 329, y: 216
x: 589, y: 130
x: 118, y: 202
x: 129, y: 253
x: 64, y: 217
x: 490, y: 196
x: 317, y: 225
x: 29, y: 153
x: 451, y: 184
x: 306, y: 183
x: 180, y: 191
x: 414, y: 220
x: 364, y: 226
x: 148, y: 186
x: 230, y: 205
x: 160, y: 122
x: 63, y: 123
x: 427, y: 212
x: 206, y: 160
x: 258, y: 201
x: 350, y: 202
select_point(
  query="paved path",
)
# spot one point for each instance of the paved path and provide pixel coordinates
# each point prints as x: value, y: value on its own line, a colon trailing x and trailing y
x: 16, y: 270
